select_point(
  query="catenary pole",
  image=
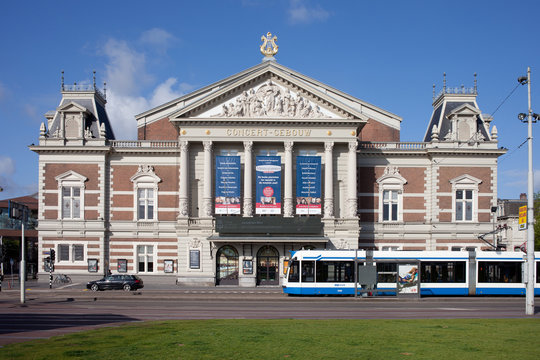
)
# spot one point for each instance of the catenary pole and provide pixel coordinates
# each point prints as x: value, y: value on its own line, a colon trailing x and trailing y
x: 529, y: 306
x: 22, y: 268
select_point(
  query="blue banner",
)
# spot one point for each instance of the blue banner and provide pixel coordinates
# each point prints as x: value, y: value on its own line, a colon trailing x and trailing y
x: 268, y: 194
x: 227, y: 185
x: 308, y: 185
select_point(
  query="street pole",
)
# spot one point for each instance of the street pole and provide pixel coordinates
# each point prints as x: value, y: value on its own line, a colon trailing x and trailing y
x: 529, y: 306
x: 22, y: 267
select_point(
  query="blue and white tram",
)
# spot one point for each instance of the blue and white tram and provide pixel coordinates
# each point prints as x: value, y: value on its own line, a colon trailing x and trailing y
x: 332, y: 272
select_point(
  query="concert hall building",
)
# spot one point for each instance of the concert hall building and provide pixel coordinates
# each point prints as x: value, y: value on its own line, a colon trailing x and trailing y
x: 223, y: 183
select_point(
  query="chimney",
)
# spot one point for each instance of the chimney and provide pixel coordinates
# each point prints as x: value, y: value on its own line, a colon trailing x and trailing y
x: 522, y: 196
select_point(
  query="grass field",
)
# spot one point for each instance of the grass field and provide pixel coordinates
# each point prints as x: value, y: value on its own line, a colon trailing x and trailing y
x: 294, y: 339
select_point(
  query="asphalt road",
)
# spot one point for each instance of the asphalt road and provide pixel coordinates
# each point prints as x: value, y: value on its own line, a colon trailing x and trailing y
x: 48, y: 313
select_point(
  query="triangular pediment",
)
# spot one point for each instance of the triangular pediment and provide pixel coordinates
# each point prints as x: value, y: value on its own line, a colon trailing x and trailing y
x: 270, y: 99
x: 464, y: 110
x: 72, y: 107
x: 271, y: 91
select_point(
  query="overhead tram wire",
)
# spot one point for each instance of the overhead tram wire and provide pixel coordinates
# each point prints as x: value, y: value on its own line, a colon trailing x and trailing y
x: 498, y: 107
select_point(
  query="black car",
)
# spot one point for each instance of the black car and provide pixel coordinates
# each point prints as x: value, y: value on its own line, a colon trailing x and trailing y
x: 116, y: 282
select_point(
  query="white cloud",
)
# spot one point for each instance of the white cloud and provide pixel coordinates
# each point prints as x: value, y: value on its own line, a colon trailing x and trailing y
x: 159, y: 39
x: 128, y: 78
x: 125, y: 71
x: 123, y: 108
x: 300, y: 12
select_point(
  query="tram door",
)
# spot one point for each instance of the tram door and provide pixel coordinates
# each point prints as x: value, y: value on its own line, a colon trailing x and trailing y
x: 227, y: 266
x: 268, y: 266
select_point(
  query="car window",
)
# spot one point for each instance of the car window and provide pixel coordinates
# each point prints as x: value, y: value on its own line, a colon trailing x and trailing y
x: 109, y: 278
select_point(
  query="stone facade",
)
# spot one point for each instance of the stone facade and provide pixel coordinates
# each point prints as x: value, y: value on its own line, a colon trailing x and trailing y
x: 147, y: 206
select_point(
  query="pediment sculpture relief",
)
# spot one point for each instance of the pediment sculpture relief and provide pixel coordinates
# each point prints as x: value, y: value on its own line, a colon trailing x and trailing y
x: 270, y: 100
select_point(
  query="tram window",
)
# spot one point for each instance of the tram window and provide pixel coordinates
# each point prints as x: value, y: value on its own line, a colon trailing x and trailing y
x: 386, y: 272
x: 335, y: 271
x: 308, y: 271
x: 294, y: 271
x: 538, y: 272
x: 499, y: 272
x: 443, y: 272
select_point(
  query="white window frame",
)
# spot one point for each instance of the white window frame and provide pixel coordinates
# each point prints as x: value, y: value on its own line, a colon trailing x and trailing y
x: 391, y: 181
x: 71, y: 255
x: 146, y: 255
x: 465, y: 183
x: 145, y: 178
x: 70, y: 179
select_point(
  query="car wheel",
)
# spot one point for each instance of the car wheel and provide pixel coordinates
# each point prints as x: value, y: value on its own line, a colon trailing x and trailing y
x: 127, y: 287
x: 94, y: 287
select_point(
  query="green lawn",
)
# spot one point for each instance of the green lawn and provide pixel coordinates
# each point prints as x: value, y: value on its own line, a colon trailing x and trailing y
x: 294, y: 339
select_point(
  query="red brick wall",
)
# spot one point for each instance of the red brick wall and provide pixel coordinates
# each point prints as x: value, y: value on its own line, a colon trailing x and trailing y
x: 88, y: 170
x: 375, y: 131
x: 448, y: 173
x: 158, y: 130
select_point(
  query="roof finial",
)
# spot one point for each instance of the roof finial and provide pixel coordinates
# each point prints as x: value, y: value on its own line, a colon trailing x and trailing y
x: 444, y: 82
x: 269, y: 47
x: 94, y: 78
x: 105, y: 90
x: 433, y: 91
x: 475, y: 84
x: 62, y: 82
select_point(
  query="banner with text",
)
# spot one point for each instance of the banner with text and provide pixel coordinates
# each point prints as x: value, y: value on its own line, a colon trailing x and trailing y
x: 308, y: 185
x: 227, y: 185
x: 268, y: 194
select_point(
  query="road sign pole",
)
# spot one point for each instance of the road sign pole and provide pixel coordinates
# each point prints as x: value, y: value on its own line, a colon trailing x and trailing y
x: 22, y: 267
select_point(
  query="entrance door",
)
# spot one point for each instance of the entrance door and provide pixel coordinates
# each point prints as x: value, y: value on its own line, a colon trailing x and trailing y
x: 268, y: 266
x: 227, y: 266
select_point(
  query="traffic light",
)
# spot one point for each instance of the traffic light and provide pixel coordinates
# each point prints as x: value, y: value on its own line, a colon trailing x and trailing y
x: 3, y: 253
x: 53, y: 256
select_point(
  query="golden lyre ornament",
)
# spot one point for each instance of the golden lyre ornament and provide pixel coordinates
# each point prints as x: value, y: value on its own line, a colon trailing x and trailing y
x: 269, y: 47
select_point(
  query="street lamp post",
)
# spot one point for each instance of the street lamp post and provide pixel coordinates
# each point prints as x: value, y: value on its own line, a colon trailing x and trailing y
x: 529, y: 305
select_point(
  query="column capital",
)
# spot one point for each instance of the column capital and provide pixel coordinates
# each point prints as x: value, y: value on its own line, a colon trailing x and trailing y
x: 353, y: 145
x: 184, y: 146
x: 288, y: 145
x: 207, y: 145
x: 248, y: 145
x: 328, y: 145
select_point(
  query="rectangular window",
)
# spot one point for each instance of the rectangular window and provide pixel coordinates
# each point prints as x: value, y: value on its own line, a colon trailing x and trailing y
x: 308, y: 271
x: 63, y: 252
x: 464, y: 205
x: 294, y: 271
x: 78, y: 252
x: 499, y: 272
x: 71, y: 202
x: 335, y: 271
x: 443, y: 272
x: 387, y: 273
x: 145, y: 201
x: 145, y: 258
x: 194, y: 259
x: 390, y: 205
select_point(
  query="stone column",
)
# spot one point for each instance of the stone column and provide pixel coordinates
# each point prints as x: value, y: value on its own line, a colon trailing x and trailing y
x: 248, y: 171
x: 288, y: 199
x: 328, y: 180
x: 184, y: 155
x: 207, y: 190
x: 352, y: 193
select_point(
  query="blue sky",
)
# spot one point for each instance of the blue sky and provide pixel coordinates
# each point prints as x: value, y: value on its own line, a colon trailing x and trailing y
x: 388, y: 53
